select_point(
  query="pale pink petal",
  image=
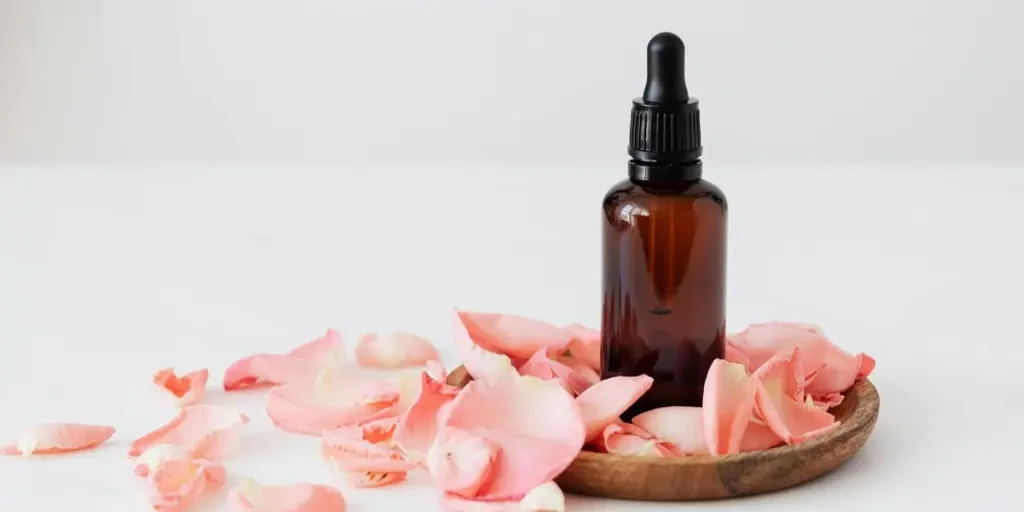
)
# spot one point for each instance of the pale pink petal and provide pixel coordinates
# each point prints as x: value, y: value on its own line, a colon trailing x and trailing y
x: 250, y: 496
x: 277, y: 369
x: 158, y: 454
x: 758, y: 437
x: 330, y: 400
x: 455, y: 503
x: 204, y: 431
x: 585, y: 346
x: 514, y: 336
x: 462, y: 463
x: 629, y: 439
x: 728, y: 406
x: 827, y: 368
x: 242, y: 375
x: 780, y: 401
x: 52, y: 438
x: 826, y: 402
x: 683, y: 427
x: 365, y: 457
x: 177, y: 485
x: 187, y: 389
x: 546, y: 497
x: 483, y: 364
x: 394, y: 350
x: 418, y: 426
x: 579, y: 378
x: 604, y: 402
x: 541, y: 366
x: 534, y: 422
x: 437, y: 371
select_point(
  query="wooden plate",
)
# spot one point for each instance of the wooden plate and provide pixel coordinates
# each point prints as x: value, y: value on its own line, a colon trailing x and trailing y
x: 713, y: 477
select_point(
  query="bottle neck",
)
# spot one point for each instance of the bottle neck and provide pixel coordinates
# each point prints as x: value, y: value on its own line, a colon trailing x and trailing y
x: 660, y: 175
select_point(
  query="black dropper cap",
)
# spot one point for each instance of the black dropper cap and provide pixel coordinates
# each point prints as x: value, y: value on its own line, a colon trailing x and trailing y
x: 664, y: 128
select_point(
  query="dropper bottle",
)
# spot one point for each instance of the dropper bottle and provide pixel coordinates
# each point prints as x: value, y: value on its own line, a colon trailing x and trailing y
x: 664, y: 231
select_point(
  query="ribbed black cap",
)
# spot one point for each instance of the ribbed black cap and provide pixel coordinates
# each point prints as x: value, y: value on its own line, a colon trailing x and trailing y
x: 664, y: 128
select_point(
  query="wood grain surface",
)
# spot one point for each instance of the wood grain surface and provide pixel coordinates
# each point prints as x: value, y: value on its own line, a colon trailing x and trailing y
x: 714, y: 477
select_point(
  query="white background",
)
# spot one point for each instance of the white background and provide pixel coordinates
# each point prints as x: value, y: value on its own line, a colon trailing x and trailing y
x: 486, y: 81
x: 186, y: 183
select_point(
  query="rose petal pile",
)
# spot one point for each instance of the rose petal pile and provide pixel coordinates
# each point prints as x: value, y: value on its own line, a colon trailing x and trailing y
x: 484, y: 445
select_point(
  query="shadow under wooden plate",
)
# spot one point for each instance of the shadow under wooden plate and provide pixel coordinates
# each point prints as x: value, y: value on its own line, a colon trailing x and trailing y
x: 714, y: 477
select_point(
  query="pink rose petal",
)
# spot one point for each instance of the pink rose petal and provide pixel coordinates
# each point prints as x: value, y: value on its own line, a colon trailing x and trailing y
x: 780, y: 401
x: 585, y: 346
x: 758, y: 437
x: 53, y: 438
x: 455, y: 503
x: 534, y: 423
x: 547, y: 497
x: 462, y: 463
x: 177, y: 485
x: 330, y: 400
x: 204, y: 431
x: 604, y: 402
x: 187, y: 389
x: 418, y: 426
x: 576, y: 374
x: 242, y: 375
x: 365, y: 455
x: 514, y: 336
x: 728, y: 406
x: 250, y: 496
x: 826, y: 402
x: 629, y: 439
x: 682, y: 427
x: 833, y: 370
x: 481, y: 363
x: 394, y: 350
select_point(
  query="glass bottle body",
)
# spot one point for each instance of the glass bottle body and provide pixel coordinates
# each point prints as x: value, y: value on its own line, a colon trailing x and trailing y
x: 664, y: 287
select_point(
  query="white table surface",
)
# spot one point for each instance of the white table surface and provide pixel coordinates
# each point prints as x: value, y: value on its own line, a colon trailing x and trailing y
x: 109, y: 273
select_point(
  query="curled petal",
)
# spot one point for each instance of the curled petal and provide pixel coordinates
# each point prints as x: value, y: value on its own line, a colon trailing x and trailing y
x: 323, y: 350
x: 541, y: 366
x: 52, y: 438
x: 250, y: 496
x: 204, y: 431
x: 176, y: 485
x: 436, y: 370
x: 330, y: 400
x: 784, y: 410
x: 418, y: 426
x: 604, y: 402
x: 481, y: 363
x: 827, y: 368
x: 156, y: 455
x: 534, y: 423
x: 546, y: 497
x: 461, y: 463
x: 577, y: 375
x: 514, y: 336
x: 629, y: 439
x: 394, y: 350
x: 826, y: 402
x: 683, y: 427
x: 187, y: 389
x: 585, y: 346
x: 365, y: 456
x: 728, y: 406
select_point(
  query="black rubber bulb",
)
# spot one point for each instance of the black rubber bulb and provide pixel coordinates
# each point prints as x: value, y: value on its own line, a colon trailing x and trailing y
x: 665, y: 80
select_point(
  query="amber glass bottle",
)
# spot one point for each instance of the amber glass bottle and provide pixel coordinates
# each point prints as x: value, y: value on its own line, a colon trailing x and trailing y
x: 664, y: 232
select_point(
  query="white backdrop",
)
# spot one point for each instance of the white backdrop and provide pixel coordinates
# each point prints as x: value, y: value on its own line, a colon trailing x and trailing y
x: 486, y: 81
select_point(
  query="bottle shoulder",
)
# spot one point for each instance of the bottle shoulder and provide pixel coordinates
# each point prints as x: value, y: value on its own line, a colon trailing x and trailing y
x: 629, y: 192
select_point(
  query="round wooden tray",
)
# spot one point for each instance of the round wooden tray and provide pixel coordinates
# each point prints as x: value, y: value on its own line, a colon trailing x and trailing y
x: 705, y: 477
